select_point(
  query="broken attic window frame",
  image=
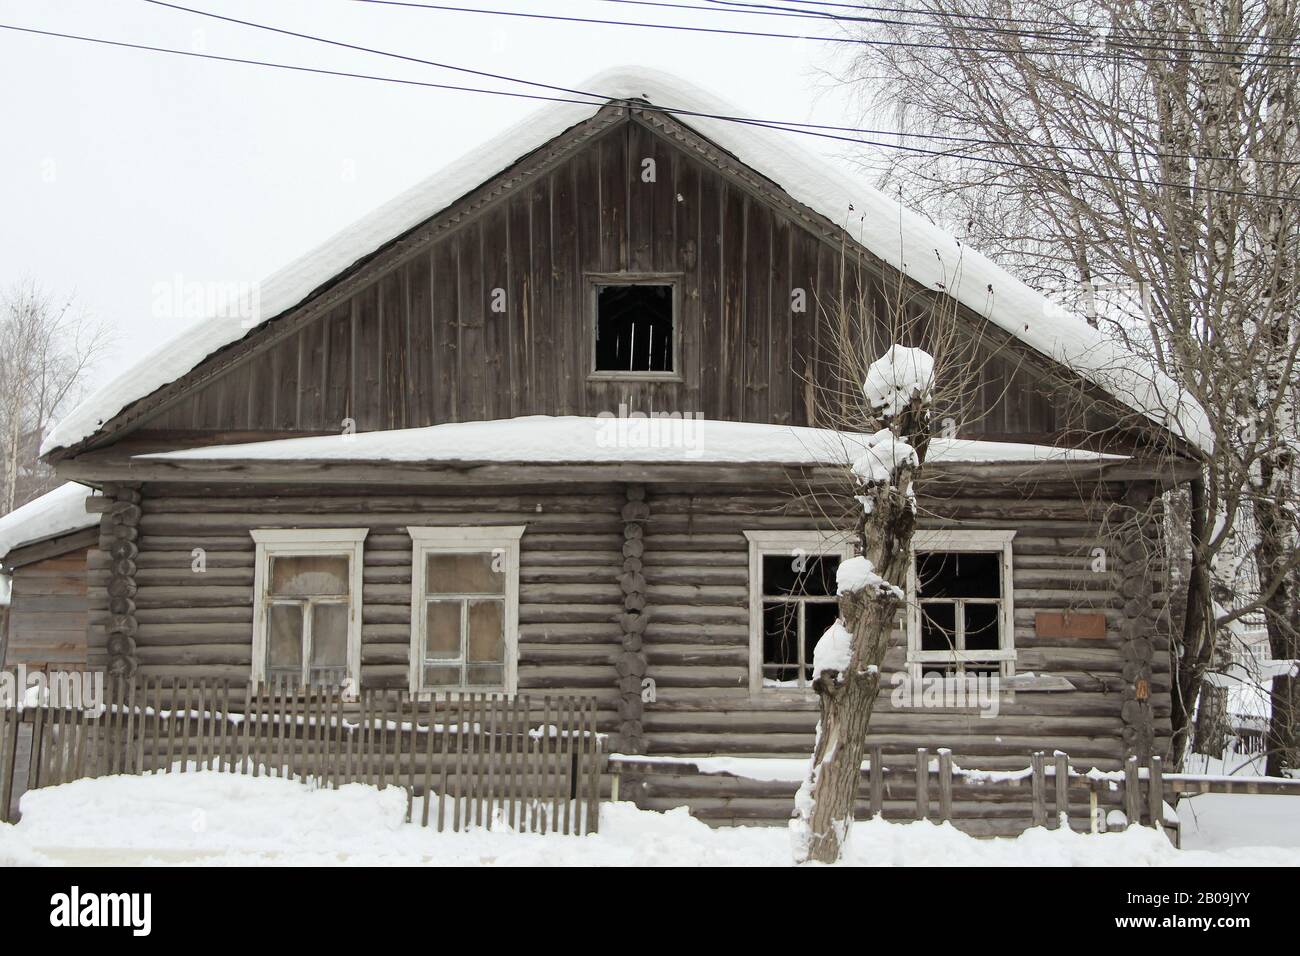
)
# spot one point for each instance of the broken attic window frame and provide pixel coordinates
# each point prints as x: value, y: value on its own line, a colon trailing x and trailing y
x: 647, y: 338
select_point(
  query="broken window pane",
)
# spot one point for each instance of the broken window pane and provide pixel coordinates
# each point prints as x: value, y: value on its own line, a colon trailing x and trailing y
x: 487, y: 641
x: 982, y: 629
x: 801, y: 574
x: 944, y: 574
x: 818, y: 617
x: 634, y: 328
x: 938, y: 626
x: 442, y: 635
x: 465, y: 574
x: 309, y: 575
x: 284, y: 639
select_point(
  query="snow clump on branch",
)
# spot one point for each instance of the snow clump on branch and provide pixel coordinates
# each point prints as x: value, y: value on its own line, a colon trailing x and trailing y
x: 897, y: 377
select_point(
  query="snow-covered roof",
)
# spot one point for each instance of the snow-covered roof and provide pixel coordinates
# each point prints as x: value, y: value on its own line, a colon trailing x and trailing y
x: 54, y: 513
x: 900, y: 237
x: 542, y: 439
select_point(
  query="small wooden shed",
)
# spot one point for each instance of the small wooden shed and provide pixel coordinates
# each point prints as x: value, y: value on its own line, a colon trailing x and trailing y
x: 43, y: 549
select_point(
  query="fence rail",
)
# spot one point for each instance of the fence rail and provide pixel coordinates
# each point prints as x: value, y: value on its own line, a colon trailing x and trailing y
x: 468, y: 759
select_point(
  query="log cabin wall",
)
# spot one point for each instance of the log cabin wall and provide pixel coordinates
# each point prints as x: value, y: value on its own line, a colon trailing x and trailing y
x: 696, y: 641
x: 421, y: 343
x: 697, y: 638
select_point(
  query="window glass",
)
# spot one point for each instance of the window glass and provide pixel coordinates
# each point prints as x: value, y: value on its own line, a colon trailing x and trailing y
x: 309, y: 575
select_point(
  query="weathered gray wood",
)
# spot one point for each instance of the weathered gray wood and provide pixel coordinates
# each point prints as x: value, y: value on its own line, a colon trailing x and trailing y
x: 1132, y: 792
x: 922, y: 784
x: 945, y: 785
x: 1039, y: 789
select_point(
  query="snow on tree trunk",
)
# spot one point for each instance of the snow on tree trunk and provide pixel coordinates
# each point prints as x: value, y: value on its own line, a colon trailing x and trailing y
x: 848, y: 658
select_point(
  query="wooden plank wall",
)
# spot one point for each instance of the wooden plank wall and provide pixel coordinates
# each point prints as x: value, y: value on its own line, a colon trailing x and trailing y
x: 697, y: 641
x: 422, y: 345
x: 49, y: 613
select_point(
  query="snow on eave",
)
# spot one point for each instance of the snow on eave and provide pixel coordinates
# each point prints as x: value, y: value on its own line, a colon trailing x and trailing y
x: 547, y: 440
x: 54, y: 513
x: 898, y: 236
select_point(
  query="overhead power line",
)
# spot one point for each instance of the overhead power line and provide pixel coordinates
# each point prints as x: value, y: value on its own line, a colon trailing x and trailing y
x: 602, y: 96
x: 122, y: 44
x: 1166, y: 54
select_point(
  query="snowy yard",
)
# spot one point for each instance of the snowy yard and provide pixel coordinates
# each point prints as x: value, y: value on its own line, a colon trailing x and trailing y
x: 219, y: 819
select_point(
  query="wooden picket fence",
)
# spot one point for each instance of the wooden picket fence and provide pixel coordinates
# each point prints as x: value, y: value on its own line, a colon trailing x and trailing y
x: 465, y: 760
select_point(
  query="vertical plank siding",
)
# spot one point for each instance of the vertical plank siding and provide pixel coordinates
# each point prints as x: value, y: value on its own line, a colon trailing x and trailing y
x: 421, y: 344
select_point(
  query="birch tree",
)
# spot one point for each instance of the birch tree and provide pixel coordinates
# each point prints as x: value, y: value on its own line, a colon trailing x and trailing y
x: 46, y: 348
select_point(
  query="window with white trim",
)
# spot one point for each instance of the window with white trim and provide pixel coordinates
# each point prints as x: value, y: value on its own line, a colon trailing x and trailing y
x: 961, y: 616
x: 307, y: 605
x: 464, y: 609
x: 792, y: 601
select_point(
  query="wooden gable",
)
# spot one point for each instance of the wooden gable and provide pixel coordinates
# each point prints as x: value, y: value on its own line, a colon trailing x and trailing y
x: 484, y: 311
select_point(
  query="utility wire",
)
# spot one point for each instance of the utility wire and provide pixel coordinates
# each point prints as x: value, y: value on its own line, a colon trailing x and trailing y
x: 1085, y: 28
x: 647, y: 108
x: 1068, y: 32
x: 788, y: 124
x: 1274, y: 59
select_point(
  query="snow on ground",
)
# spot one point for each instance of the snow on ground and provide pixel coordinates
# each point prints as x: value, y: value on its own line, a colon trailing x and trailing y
x: 1215, y: 821
x: 217, y: 819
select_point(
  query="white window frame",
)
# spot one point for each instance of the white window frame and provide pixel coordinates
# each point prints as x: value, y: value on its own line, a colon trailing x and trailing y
x: 454, y: 540
x: 307, y: 542
x: 952, y: 540
x: 781, y: 543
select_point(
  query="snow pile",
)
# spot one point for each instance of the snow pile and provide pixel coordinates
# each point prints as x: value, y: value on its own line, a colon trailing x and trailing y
x: 545, y: 439
x: 883, y: 453
x: 857, y: 574
x: 897, y: 377
x: 834, y: 650
x: 222, y: 819
x: 900, y: 237
x: 56, y: 512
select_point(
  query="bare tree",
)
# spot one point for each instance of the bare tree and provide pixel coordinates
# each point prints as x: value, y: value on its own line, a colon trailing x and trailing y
x: 1146, y: 145
x: 46, y: 348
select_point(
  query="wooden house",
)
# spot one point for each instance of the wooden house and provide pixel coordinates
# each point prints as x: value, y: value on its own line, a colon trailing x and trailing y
x: 44, y: 545
x: 420, y: 466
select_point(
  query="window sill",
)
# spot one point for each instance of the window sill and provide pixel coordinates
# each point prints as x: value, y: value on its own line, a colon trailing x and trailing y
x: 635, y: 377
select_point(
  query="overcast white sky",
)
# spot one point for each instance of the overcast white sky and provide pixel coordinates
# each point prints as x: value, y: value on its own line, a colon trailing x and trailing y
x: 124, y: 169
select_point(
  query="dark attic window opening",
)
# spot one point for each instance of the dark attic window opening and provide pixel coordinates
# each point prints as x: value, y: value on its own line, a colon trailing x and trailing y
x: 634, y: 328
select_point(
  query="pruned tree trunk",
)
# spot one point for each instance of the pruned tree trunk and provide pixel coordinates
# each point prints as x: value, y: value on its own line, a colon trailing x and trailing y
x: 870, y: 596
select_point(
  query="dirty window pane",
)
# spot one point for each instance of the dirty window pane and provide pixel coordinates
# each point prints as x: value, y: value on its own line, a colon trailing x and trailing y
x: 442, y: 637
x: 442, y: 676
x: 464, y: 574
x: 309, y: 575
x: 486, y: 675
x: 329, y: 635
x: 284, y: 641
x: 487, y: 641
